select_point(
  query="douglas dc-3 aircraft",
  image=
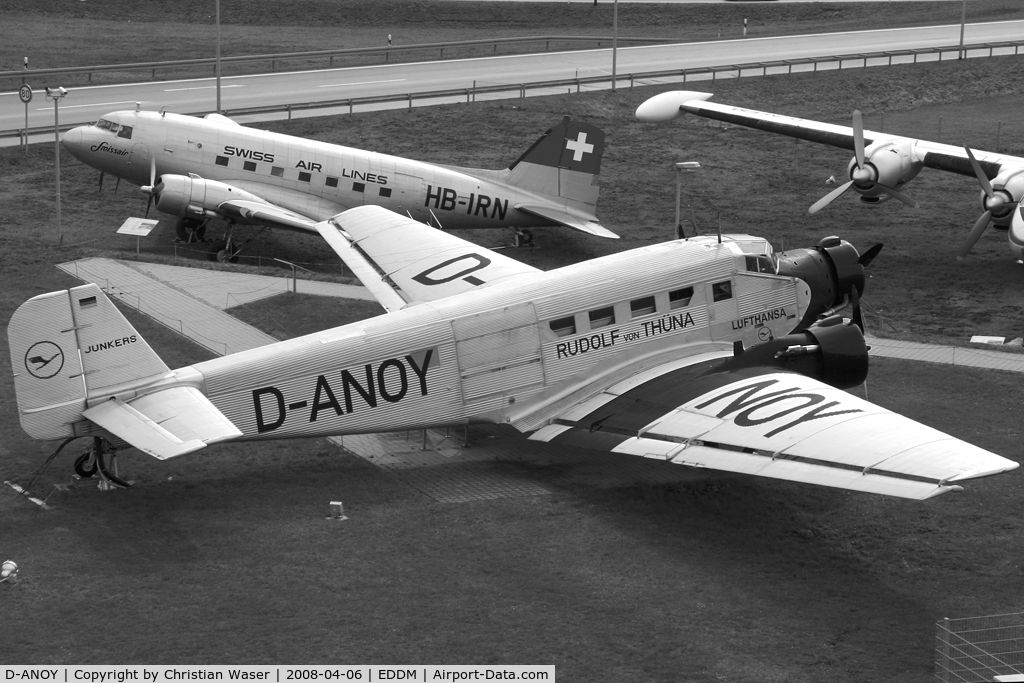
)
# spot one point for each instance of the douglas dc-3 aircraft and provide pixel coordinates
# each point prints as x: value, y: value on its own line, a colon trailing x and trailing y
x: 706, y: 352
x: 201, y: 168
x: 882, y: 163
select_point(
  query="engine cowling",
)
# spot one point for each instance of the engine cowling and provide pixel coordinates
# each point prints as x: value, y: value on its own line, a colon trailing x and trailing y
x: 181, y: 195
x: 1008, y: 188
x: 834, y: 354
x: 888, y: 163
x: 831, y: 270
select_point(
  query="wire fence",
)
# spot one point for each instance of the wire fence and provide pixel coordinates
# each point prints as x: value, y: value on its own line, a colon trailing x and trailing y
x: 977, y: 649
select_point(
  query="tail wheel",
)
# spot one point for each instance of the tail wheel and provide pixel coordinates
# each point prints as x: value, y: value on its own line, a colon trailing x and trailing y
x: 83, y: 467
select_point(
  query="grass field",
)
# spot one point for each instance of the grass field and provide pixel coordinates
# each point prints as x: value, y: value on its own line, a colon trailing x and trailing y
x: 226, y: 556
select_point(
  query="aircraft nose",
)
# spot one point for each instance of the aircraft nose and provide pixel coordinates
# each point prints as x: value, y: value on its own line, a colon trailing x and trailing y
x: 74, y: 141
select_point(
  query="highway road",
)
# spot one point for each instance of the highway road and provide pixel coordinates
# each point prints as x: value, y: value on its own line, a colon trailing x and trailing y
x: 85, y: 104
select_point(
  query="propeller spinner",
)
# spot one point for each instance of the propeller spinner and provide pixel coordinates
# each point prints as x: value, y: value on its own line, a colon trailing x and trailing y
x: 864, y: 174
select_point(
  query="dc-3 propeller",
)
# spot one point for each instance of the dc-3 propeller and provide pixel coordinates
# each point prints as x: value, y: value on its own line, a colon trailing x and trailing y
x: 864, y: 174
x: 154, y: 188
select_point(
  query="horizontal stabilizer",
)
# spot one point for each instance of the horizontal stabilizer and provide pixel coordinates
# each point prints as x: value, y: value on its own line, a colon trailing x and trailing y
x: 568, y: 220
x: 165, y: 424
x: 402, y: 261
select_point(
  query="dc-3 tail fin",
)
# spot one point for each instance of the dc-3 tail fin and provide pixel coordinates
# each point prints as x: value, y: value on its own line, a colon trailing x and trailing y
x: 564, y: 163
x: 81, y: 369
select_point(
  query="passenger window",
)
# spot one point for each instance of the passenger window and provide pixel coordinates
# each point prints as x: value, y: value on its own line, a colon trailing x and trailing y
x: 249, y: 166
x: 125, y: 132
x: 602, y: 317
x: 385, y: 192
x: 331, y: 182
x: 277, y: 171
x: 358, y: 187
x: 222, y: 161
x: 721, y: 291
x: 563, y: 327
x: 680, y: 298
x: 304, y: 177
x: 641, y: 307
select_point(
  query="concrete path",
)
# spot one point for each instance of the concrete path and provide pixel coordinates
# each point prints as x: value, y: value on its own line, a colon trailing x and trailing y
x: 950, y: 355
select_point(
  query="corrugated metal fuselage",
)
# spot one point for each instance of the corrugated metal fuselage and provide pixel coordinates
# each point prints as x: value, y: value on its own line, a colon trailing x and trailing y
x: 491, y: 354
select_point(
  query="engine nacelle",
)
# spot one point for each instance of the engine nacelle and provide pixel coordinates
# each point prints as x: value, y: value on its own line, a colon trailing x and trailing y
x: 834, y: 354
x: 1009, y: 188
x: 181, y: 195
x: 831, y: 270
x: 889, y: 163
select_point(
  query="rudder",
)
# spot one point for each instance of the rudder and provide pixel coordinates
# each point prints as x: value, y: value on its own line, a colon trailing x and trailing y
x: 68, y: 347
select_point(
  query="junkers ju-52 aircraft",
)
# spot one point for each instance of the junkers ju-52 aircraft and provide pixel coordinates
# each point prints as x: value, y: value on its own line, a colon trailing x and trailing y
x: 882, y: 163
x: 708, y: 352
x: 201, y: 168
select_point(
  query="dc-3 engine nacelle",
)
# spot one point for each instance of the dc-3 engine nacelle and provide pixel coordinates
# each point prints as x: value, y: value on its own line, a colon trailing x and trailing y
x: 887, y: 163
x: 1007, y: 190
x: 181, y: 195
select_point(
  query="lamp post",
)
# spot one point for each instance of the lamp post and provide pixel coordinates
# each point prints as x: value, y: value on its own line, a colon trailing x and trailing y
x: 217, y: 3
x: 615, y: 39
x: 57, y: 94
x: 963, y: 20
x: 680, y: 166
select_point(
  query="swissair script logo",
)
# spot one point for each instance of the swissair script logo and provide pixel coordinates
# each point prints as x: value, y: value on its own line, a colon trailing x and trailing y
x: 43, y: 360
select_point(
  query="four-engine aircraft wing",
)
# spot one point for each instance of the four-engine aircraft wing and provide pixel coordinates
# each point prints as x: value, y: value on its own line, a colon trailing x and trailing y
x: 883, y: 163
x: 402, y: 261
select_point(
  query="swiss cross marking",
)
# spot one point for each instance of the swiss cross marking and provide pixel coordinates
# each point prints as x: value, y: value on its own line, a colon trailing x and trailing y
x: 579, y: 147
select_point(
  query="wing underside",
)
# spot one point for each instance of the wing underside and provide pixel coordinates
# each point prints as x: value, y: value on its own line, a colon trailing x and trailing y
x: 771, y: 424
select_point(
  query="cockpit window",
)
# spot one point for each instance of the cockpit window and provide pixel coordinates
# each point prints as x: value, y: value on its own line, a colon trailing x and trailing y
x: 104, y: 124
x: 125, y: 132
x: 761, y: 264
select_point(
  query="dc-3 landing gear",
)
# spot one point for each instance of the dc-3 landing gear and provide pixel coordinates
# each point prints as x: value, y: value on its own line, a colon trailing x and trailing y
x: 524, y: 238
x: 226, y: 250
x: 190, y: 230
x: 94, y: 462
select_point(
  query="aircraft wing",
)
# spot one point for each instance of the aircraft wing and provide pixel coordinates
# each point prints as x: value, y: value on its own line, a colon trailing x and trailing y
x: 403, y: 262
x: 932, y: 154
x: 769, y: 423
x: 267, y: 214
x: 166, y: 423
x: 568, y: 220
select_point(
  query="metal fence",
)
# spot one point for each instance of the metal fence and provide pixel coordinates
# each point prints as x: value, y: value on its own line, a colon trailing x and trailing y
x: 979, y: 648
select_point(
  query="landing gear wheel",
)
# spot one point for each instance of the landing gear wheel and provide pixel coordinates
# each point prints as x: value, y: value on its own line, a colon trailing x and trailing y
x: 83, y: 467
x: 223, y: 252
x: 190, y: 229
x: 524, y: 238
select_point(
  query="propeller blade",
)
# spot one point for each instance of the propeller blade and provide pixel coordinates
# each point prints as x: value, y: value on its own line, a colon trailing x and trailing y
x: 858, y: 137
x: 827, y: 199
x: 868, y: 256
x: 896, y: 194
x: 152, y: 171
x: 149, y: 203
x: 982, y: 178
x: 974, y: 235
x: 857, y: 319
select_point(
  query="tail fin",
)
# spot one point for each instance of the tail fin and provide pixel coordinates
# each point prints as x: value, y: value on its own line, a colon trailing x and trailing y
x: 70, y: 346
x: 566, y: 160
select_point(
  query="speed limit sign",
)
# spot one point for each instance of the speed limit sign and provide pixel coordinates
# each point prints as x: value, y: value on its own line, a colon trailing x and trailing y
x: 25, y: 93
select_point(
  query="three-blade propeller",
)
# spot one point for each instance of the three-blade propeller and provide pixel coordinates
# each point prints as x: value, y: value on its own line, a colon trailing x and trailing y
x: 864, y: 174
x: 996, y: 203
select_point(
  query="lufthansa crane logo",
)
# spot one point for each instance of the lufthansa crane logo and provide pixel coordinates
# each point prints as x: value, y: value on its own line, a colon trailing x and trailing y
x: 44, y: 359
